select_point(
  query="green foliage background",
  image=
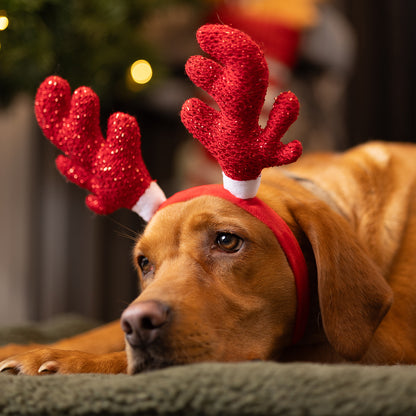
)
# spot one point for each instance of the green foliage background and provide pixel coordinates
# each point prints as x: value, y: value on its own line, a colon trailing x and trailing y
x: 88, y: 42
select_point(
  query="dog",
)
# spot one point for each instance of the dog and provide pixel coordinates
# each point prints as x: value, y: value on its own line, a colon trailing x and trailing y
x: 216, y: 285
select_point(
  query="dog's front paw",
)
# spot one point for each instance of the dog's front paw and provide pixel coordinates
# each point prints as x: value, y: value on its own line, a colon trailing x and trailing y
x: 52, y: 361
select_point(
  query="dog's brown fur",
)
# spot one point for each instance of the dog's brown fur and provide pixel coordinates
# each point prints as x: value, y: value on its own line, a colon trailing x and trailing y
x: 354, y: 215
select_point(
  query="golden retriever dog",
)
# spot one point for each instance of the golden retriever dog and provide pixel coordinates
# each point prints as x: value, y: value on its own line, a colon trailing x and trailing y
x: 216, y: 284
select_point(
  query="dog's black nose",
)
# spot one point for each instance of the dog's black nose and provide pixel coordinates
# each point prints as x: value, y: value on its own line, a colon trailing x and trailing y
x: 142, y: 322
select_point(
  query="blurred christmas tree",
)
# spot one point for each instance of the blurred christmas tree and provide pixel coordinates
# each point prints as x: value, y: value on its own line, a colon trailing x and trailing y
x: 88, y: 42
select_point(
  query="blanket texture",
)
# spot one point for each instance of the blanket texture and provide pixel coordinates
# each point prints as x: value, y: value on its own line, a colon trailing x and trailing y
x: 258, y: 388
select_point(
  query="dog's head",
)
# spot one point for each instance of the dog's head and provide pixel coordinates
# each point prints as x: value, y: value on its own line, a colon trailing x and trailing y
x: 210, y: 274
x: 217, y: 286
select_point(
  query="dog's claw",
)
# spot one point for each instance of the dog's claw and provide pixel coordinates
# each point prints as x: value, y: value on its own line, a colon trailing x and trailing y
x: 50, y: 367
x: 10, y: 367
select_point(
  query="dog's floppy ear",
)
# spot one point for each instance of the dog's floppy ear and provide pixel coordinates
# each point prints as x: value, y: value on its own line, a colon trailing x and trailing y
x: 353, y: 295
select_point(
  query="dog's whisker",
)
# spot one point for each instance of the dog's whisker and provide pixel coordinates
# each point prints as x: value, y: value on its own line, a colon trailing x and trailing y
x: 127, y: 236
x: 126, y: 232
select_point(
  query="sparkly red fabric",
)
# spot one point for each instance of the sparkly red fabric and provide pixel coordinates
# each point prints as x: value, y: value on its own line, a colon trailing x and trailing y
x: 237, y: 79
x: 112, y: 169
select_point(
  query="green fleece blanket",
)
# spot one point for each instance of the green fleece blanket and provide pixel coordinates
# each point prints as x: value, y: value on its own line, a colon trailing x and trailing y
x: 208, y: 389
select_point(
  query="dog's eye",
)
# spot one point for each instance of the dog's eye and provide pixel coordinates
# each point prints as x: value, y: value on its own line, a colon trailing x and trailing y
x: 145, y: 265
x: 229, y: 242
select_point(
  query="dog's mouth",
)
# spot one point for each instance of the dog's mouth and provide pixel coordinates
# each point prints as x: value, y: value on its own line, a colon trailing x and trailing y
x: 140, y: 361
x: 158, y: 356
x: 143, y: 362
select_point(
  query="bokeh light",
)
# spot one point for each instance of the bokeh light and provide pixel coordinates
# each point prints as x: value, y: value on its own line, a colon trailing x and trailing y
x: 141, y: 71
x: 4, y: 22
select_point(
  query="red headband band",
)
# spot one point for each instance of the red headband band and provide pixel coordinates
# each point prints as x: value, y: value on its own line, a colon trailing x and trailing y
x: 284, y: 236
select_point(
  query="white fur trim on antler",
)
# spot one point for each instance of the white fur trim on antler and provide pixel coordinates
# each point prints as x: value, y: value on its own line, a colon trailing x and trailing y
x: 241, y: 189
x: 150, y: 201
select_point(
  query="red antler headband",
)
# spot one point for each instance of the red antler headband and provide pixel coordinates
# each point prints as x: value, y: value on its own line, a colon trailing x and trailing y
x: 116, y: 176
x: 112, y: 170
x: 238, y: 83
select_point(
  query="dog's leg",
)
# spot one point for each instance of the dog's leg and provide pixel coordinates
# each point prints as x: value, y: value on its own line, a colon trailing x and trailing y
x: 103, y: 339
x: 51, y: 361
x: 98, y: 350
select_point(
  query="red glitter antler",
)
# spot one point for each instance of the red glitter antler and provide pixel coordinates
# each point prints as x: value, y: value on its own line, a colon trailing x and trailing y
x: 113, y: 169
x: 238, y: 81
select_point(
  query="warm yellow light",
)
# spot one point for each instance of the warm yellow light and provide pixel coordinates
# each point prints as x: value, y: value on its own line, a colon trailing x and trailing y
x: 4, y: 22
x: 141, y: 71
